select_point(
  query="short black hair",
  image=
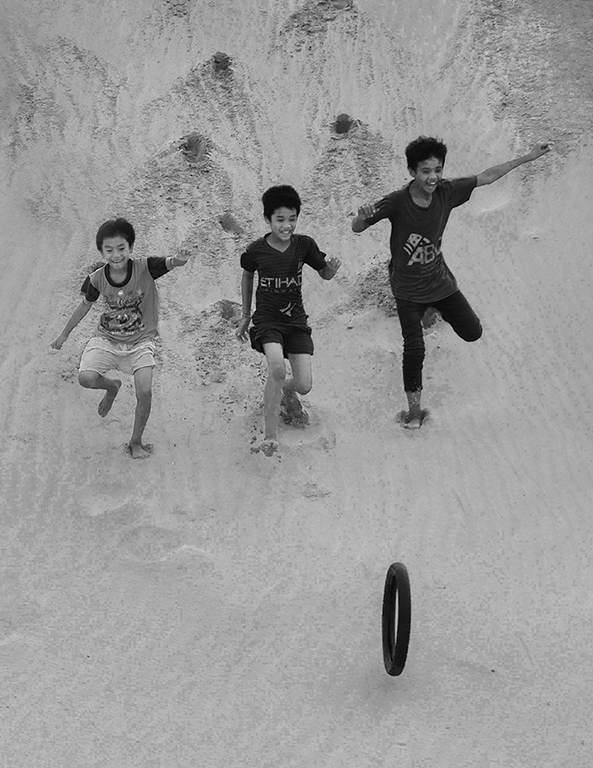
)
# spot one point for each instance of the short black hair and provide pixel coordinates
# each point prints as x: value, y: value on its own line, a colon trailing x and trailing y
x: 422, y: 149
x: 282, y: 196
x: 113, y: 228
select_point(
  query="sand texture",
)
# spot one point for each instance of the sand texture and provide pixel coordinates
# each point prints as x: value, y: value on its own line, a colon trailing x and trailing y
x: 212, y: 607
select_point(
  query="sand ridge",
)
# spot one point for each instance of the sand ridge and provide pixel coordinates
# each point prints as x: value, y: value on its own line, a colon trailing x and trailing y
x: 214, y: 606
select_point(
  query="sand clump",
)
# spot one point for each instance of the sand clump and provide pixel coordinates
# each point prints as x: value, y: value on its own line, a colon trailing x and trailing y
x: 129, y: 645
x: 343, y: 123
x: 221, y: 64
x: 313, y: 18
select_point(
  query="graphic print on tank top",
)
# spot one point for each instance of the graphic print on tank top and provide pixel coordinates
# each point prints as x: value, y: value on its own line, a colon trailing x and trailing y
x: 123, y: 313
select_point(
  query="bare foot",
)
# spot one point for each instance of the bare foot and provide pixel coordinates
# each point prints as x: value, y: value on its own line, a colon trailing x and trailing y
x: 139, y: 451
x: 412, y: 419
x: 110, y: 395
x: 269, y: 447
x: 291, y: 409
x: 430, y: 317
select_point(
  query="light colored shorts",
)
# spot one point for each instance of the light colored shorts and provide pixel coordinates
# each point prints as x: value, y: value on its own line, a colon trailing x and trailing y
x: 102, y: 355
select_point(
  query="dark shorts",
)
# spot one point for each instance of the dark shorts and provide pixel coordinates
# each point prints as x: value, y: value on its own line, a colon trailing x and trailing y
x: 295, y: 339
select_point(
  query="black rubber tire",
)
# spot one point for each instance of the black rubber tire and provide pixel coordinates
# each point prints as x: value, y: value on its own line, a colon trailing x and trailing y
x: 397, y: 618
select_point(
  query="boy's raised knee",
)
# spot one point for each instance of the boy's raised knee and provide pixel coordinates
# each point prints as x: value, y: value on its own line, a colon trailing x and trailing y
x: 303, y: 388
x: 88, y: 378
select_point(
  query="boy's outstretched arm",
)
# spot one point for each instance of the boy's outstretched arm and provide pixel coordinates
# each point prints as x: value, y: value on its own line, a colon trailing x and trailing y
x: 181, y: 259
x: 359, y: 221
x: 498, y: 171
x: 246, y: 296
x: 331, y: 267
x: 81, y: 311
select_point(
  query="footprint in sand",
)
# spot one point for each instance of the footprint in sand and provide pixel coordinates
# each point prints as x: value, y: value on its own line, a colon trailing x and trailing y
x: 19, y: 618
x: 314, y: 491
x: 149, y: 543
x: 194, y: 148
x: 96, y: 504
x: 311, y: 429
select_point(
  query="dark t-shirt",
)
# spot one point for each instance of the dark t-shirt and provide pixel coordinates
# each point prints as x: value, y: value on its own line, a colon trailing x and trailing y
x: 417, y: 270
x: 278, y: 298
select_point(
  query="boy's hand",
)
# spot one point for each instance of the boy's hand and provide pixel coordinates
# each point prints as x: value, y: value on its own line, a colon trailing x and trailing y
x: 241, y: 332
x: 59, y: 342
x: 333, y: 263
x: 540, y: 148
x: 366, y: 211
x: 183, y: 256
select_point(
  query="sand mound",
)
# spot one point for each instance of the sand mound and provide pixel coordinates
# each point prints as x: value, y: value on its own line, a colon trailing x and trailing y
x: 212, y: 605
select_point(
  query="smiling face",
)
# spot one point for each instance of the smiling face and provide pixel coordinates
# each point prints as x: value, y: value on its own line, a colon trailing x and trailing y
x: 282, y: 223
x: 427, y: 175
x: 116, y: 251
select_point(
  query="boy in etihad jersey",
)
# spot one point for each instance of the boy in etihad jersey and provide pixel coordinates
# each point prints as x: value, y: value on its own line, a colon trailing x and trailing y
x: 280, y: 330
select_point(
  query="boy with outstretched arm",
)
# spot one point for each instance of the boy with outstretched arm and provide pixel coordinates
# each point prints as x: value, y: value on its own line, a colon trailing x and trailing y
x: 280, y: 328
x: 420, y: 279
x: 128, y: 325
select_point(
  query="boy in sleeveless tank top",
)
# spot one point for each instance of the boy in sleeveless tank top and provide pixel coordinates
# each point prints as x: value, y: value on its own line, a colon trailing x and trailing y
x: 125, y: 336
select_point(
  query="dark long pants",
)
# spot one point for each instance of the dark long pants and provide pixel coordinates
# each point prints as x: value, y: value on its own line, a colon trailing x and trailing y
x: 455, y: 309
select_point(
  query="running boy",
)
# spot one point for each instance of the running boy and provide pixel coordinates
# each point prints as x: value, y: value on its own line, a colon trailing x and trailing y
x: 280, y: 327
x: 128, y: 325
x: 418, y: 273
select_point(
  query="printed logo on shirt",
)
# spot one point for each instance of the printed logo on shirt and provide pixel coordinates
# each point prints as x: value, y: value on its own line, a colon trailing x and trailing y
x: 421, y: 250
x: 287, y: 310
x: 123, y: 313
x: 281, y: 284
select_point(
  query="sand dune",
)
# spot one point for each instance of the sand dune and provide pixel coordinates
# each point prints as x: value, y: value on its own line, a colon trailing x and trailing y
x: 211, y: 606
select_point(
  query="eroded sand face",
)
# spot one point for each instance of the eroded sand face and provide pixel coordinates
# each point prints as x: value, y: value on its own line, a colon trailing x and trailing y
x: 212, y: 606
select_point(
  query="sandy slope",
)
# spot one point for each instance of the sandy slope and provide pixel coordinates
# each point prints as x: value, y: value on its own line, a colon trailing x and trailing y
x: 211, y: 606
